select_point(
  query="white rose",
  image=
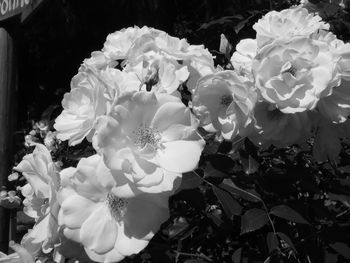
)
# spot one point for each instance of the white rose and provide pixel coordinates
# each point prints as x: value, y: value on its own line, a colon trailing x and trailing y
x: 288, y: 23
x: 118, y: 43
x: 336, y: 105
x: 108, y: 226
x: 224, y: 101
x: 149, y: 140
x: 294, y: 75
x: 242, y: 58
x: 136, y: 45
x: 158, y: 73
x: 81, y: 106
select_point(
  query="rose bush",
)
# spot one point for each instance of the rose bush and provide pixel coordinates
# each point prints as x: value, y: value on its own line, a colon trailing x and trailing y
x: 149, y: 116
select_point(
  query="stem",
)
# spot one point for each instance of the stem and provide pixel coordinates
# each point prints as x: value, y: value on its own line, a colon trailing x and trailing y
x: 193, y: 255
x: 239, y: 140
x: 343, y: 213
x: 268, y: 216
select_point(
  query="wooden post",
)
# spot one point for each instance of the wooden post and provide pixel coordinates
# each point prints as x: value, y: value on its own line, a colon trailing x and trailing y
x: 8, y: 91
x: 23, y: 9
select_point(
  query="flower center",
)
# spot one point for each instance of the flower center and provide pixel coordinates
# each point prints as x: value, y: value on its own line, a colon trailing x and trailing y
x: 146, y: 135
x: 226, y: 100
x: 289, y: 68
x: 117, y: 206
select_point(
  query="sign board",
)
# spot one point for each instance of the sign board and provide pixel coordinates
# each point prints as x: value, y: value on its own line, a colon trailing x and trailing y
x: 10, y: 8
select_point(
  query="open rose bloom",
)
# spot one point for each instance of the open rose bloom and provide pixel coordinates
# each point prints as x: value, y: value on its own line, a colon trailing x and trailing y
x: 224, y: 102
x: 286, y: 24
x: 147, y: 140
x: 296, y: 74
x: 141, y: 104
x: 109, y: 226
x: 300, y: 73
x: 40, y: 200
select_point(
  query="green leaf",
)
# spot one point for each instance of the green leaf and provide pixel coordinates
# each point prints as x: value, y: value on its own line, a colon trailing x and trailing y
x: 189, y: 181
x: 221, y: 162
x: 210, y: 171
x: 341, y: 248
x: 220, y: 21
x: 230, y: 205
x: 249, y: 195
x: 288, y: 213
x: 253, y: 219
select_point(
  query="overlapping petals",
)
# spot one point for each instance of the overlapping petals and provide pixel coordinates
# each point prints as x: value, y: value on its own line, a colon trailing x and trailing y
x: 159, y: 73
x: 336, y: 106
x: 118, y: 43
x: 21, y: 255
x: 242, y: 58
x: 81, y: 106
x: 286, y: 24
x: 109, y: 227
x: 38, y: 168
x: 294, y: 75
x: 40, y: 197
x: 148, y: 140
x: 164, y: 60
x: 224, y: 101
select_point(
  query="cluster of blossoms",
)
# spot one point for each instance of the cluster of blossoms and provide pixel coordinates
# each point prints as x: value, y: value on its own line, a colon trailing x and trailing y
x: 288, y: 84
x: 125, y: 101
x: 300, y: 72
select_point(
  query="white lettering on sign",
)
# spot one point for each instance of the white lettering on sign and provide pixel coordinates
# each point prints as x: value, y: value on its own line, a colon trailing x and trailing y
x: 9, y: 8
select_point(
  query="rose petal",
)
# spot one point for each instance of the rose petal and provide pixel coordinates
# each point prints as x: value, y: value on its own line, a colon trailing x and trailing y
x: 180, y: 156
x: 128, y: 245
x: 76, y: 209
x: 171, y: 113
x: 99, y: 231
